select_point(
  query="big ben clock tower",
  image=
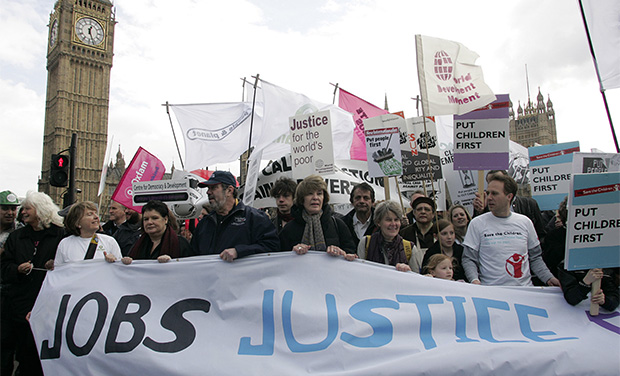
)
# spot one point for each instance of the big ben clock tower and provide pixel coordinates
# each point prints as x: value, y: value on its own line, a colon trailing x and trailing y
x: 79, y: 59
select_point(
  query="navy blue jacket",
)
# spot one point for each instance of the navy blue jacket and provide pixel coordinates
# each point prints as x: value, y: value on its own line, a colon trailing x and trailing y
x: 246, y: 229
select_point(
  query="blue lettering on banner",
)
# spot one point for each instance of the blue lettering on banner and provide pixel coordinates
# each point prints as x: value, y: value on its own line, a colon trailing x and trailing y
x: 382, y: 327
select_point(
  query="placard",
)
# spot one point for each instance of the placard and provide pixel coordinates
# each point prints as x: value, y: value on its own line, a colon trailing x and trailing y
x: 312, y: 149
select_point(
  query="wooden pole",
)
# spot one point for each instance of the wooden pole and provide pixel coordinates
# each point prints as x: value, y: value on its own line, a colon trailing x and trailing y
x: 596, y: 285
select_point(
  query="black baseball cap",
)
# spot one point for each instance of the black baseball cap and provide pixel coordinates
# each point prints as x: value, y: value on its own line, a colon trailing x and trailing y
x: 217, y: 177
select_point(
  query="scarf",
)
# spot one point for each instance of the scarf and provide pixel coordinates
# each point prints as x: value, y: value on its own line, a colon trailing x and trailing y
x: 313, y: 232
x: 169, y: 245
x: 384, y: 252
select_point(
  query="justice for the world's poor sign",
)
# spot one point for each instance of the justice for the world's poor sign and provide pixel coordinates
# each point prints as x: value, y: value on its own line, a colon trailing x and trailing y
x: 311, y: 144
x: 285, y: 314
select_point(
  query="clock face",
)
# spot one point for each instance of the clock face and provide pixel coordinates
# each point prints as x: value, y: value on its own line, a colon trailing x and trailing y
x: 54, y: 33
x: 89, y: 31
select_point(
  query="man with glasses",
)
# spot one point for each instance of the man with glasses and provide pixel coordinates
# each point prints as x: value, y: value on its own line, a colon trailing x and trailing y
x: 232, y: 229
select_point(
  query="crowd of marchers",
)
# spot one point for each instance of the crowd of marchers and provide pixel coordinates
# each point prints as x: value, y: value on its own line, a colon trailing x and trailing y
x: 508, y: 242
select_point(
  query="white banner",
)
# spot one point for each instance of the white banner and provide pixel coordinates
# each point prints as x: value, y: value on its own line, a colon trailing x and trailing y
x: 450, y: 82
x: 216, y: 132
x: 603, y: 22
x: 348, y: 173
x: 280, y: 104
x: 270, y: 314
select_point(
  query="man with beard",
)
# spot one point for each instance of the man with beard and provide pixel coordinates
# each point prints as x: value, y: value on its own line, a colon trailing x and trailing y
x: 360, y: 220
x: 116, y: 218
x: 128, y: 232
x: 232, y: 229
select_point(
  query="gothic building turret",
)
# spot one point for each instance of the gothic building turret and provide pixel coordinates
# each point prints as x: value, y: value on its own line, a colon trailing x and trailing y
x: 535, y: 124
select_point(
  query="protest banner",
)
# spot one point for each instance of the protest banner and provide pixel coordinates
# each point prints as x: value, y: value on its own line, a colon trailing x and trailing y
x: 347, y: 174
x: 450, y: 82
x: 593, y: 225
x: 143, y: 167
x: 383, y: 145
x: 361, y: 110
x: 481, y: 137
x: 216, y: 132
x: 312, y: 151
x: 551, y: 167
x: 420, y: 141
x: 261, y: 316
x: 588, y: 163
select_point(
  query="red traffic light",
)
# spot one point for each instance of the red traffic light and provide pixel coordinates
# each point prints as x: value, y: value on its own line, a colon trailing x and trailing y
x: 59, y: 171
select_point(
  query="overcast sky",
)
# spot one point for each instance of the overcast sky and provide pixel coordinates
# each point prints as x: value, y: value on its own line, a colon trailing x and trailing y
x: 186, y: 51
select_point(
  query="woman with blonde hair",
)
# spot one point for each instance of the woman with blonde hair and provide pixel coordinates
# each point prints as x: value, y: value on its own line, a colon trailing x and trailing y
x: 26, y: 252
x: 460, y: 218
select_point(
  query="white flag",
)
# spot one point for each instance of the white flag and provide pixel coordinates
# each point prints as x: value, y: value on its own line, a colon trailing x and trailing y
x: 215, y: 132
x: 603, y: 22
x: 450, y: 82
x: 280, y: 104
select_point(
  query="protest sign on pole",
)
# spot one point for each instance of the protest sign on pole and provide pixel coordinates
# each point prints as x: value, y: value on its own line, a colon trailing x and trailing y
x: 551, y: 167
x: 143, y: 167
x: 383, y: 145
x: 312, y: 150
x: 481, y: 137
x: 260, y: 316
x: 414, y: 151
x: 592, y: 239
x: 588, y: 163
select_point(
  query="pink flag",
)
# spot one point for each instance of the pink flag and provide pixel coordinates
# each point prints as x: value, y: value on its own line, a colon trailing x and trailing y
x: 143, y: 167
x: 361, y: 110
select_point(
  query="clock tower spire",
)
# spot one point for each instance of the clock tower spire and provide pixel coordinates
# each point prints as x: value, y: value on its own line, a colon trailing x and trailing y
x: 79, y: 60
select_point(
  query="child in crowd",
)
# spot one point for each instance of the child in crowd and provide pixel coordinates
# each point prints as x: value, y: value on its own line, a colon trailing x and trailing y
x: 440, y: 266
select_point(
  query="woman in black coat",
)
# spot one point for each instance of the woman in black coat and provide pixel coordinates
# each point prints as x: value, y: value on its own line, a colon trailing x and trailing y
x: 26, y: 253
x: 314, y: 228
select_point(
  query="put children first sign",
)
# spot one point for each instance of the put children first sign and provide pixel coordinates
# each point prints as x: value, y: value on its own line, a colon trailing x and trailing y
x: 551, y: 167
x: 481, y: 139
x: 593, y: 222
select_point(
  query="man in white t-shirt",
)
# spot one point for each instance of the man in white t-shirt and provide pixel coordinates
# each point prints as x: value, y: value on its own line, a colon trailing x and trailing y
x: 501, y: 247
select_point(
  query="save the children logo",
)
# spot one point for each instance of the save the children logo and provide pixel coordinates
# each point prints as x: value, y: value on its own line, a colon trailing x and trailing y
x: 217, y: 134
x: 443, y: 65
x: 514, y: 265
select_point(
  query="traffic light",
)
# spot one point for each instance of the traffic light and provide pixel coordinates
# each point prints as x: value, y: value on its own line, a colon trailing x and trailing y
x: 59, y: 171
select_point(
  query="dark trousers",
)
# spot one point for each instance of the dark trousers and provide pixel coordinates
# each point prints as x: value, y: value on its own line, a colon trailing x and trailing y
x: 18, y: 342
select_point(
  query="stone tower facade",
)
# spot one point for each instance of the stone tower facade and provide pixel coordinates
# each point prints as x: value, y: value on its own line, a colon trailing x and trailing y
x: 79, y: 60
x: 534, y: 124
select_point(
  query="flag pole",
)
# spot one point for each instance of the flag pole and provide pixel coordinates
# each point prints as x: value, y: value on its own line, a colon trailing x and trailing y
x: 174, y: 134
x: 243, y: 89
x: 598, y: 75
x: 252, y: 118
x: 335, y: 90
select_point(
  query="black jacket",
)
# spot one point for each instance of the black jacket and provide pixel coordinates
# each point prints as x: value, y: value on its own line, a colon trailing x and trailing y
x: 348, y: 220
x: 246, y: 229
x: 126, y: 236
x: 335, y: 231
x: 19, y: 291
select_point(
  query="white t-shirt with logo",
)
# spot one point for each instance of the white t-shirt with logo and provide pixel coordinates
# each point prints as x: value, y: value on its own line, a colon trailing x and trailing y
x: 74, y: 248
x: 502, y: 245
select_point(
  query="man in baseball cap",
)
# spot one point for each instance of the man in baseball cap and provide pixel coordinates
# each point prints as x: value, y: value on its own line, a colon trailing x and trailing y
x: 8, y: 211
x: 232, y: 229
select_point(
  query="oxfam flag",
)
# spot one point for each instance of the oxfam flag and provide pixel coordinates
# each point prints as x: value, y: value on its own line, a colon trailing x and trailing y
x: 311, y: 144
